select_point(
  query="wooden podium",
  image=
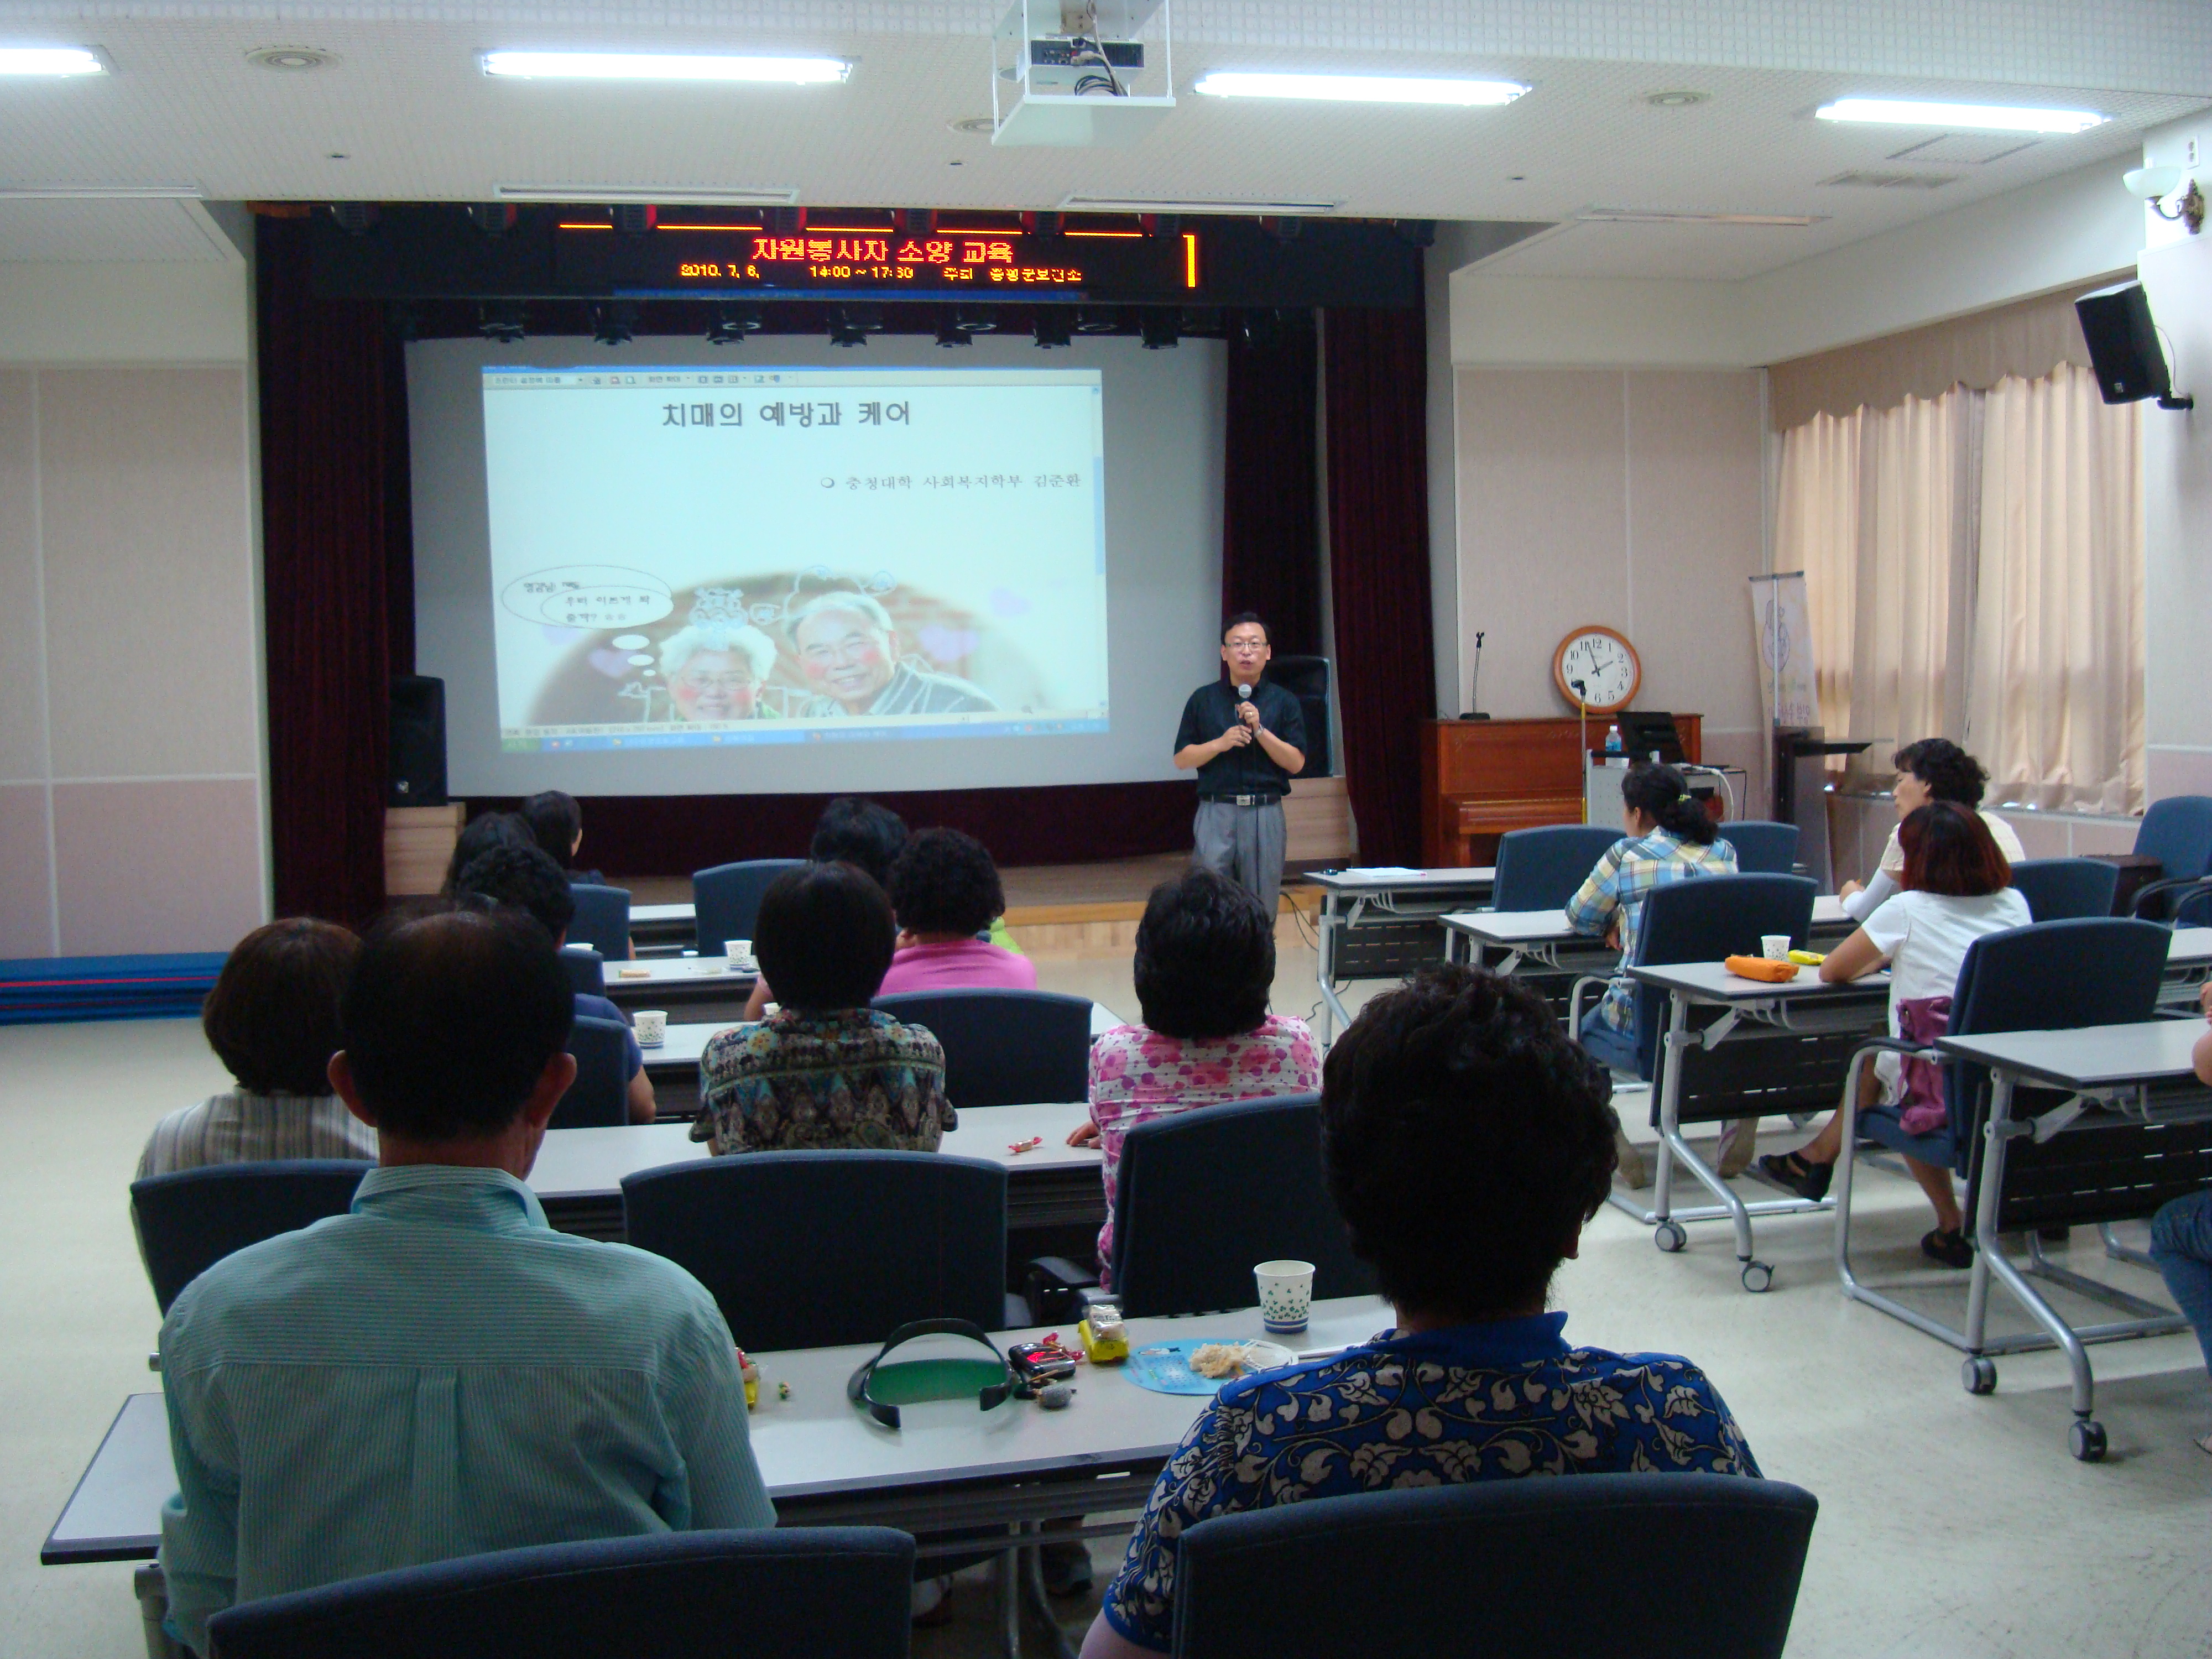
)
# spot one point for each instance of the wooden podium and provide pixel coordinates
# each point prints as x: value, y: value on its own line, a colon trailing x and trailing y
x: 1482, y: 778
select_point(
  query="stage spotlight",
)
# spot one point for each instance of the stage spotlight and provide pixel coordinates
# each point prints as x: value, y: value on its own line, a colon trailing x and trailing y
x: 613, y: 324
x: 733, y: 324
x: 850, y: 325
x: 1097, y: 320
x: 493, y: 218
x: 501, y: 320
x: 1162, y: 329
x: 1052, y: 327
x: 1284, y: 229
x: 783, y: 220
x: 633, y: 218
x: 950, y: 333
x: 971, y: 320
x: 354, y: 217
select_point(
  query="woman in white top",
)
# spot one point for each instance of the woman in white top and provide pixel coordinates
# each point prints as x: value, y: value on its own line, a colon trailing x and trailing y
x: 1933, y: 768
x: 1956, y: 888
x: 273, y: 1020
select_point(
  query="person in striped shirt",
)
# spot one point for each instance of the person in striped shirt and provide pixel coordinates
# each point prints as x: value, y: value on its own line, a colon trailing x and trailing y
x: 273, y: 1020
x: 439, y: 1373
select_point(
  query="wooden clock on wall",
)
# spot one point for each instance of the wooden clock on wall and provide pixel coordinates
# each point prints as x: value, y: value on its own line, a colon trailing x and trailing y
x: 1607, y: 665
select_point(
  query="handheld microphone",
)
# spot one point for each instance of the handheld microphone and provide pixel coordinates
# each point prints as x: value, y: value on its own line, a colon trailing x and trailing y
x: 1244, y: 693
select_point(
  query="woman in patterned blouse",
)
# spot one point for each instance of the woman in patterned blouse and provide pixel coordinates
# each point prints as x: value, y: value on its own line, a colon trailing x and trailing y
x: 1468, y: 1141
x: 825, y: 1070
x: 1205, y: 961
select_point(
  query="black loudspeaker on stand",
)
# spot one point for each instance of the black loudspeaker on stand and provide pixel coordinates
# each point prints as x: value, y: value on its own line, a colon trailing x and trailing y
x: 1306, y: 678
x: 418, y: 742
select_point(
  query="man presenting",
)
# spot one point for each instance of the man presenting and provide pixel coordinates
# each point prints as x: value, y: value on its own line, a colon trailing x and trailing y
x: 1247, y: 741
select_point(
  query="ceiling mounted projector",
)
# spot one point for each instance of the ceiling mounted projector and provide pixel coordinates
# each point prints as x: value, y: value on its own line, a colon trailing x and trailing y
x: 1076, y: 74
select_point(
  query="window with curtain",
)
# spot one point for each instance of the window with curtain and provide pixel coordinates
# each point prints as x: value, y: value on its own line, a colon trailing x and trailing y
x: 1973, y: 569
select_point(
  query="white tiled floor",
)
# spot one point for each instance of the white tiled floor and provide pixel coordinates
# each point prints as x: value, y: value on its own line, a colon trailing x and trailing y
x: 1949, y: 1526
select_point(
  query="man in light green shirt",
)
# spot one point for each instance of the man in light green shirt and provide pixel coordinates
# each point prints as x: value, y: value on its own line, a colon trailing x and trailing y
x: 439, y: 1373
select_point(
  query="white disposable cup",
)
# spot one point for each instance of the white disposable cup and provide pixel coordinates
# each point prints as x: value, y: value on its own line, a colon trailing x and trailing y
x: 1285, y: 1294
x: 651, y: 1027
x: 1775, y: 947
x: 740, y: 953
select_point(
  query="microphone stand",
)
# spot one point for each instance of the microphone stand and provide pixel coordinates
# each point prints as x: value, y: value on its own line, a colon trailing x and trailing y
x: 1582, y: 710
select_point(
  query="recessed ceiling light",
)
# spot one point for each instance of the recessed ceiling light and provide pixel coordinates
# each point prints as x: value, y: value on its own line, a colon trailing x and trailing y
x: 975, y: 126
x: 1360, y: 88
x: 51, y: 60
x: 1682, y: 98
x: 291, y: 58
x: 664, y: 66
x: 1983, y: 118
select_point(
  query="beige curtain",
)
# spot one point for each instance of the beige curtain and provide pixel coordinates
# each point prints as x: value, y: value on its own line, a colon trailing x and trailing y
x: 2056, y: 709
x: 1817, y: 531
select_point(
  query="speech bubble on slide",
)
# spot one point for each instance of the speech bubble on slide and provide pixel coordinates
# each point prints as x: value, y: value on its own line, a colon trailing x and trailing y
x: 590, y: 596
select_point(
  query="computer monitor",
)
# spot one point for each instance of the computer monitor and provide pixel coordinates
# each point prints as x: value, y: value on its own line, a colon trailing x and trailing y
x: 1644, y: 731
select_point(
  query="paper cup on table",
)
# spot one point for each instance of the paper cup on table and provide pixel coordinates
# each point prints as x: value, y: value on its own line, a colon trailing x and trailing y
x: 1775, y: 947
x: 1285, y: 1294
x: 740, y: 953
x: 651, y: 1027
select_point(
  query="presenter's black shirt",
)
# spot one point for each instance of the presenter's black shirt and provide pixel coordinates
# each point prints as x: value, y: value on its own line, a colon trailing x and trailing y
x: 1250, y: 770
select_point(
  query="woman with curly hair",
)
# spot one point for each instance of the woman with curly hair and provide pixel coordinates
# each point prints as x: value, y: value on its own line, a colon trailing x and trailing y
x: 945, y: 892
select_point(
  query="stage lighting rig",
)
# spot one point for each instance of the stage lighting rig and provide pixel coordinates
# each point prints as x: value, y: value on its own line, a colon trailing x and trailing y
x: 501, y: 320
x: 614, y: 323
x: 1051, y: 329
x: 731, y: 325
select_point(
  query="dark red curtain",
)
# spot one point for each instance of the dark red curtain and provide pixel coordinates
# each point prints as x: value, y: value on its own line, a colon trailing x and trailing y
x: 334, y: 550
x: 1270, y: 540
x: 1378, y: 548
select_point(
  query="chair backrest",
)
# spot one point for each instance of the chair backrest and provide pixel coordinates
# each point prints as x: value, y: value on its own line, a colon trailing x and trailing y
x: 2059, y: 889
x: 1590, y: 1563
x: 1541, y: 869
x: 844, y: 1590
x: 599, y: 1098
x: 1207, y: 1195
x: 2195, y: 910
x: 813, y: 1250
x: 1705, y: 918
x: 1763, y: 848
x: 587, y: 970
x: 2178, y: 832
x: 602, y: 919
x: 191, y: 1220
x: 1004, y: 1048
x: 726, y: 899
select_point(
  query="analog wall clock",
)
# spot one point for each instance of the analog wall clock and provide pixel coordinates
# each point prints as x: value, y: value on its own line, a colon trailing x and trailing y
x: 1607, y: 665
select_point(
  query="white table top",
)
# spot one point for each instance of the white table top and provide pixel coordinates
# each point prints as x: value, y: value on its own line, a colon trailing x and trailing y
x: 657, y: 913
x: 2189, y: 947
x: 1381, y: 879
x: 814, y: 1443
x: 649, y: 971
x: 2092, y: 1056
x: 1521, y: 928
x: 685, y: 1043
x: 581, y: 1163
x: 1711, y: 980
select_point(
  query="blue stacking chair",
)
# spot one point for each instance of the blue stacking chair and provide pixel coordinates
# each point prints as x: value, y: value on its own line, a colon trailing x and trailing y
x: 1541, y: 869
x: 816, y: 1249
x: 2177, y: 832
x: 726, y: 899
x: 2057, y: 889
x: 599, y: 1098
x: 191, y: 1220
x: 586, y: 969
x: 1407, y: 1572
x: 844, y: 1590
x: 1004, y: 1048
x: 602, y: 919
x: 1762, y: 847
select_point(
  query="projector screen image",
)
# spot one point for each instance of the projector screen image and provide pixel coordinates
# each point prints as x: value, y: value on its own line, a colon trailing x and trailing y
x: 688, y: 557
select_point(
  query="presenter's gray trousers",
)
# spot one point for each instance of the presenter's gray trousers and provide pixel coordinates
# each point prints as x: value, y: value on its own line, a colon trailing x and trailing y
x: 1244, y: 843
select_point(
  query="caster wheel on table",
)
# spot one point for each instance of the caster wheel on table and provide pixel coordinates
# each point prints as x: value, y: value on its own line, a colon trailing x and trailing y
x: 1670, y: 1237
x: 1757, y: 1276
x: 1978, y: 1376
x: 2087, y: 1439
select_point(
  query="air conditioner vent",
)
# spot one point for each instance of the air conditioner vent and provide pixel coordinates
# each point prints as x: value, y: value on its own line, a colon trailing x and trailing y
x: 1863, y: 179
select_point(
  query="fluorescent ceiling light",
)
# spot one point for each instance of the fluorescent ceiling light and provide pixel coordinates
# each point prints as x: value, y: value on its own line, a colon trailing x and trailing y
x: 1136, y: 204
x: 664, y: 66
x: 1662, y: 216
x: 652, y: 195
x: 101, y: 193
x: 50, y: 60
x: 1360, y: 88
x: 1981, y: 118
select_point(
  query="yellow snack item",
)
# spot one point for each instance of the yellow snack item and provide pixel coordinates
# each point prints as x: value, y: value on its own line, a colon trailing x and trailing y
x: 1101, y: 1335
x: 1808, y: 958
x: 1761, y: 967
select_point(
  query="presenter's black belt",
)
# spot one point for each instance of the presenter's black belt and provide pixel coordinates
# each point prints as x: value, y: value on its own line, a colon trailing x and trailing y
x: 1244, y: 801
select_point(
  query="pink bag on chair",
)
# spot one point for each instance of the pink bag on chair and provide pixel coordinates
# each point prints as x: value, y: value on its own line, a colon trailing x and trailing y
x: 1921, y: 1020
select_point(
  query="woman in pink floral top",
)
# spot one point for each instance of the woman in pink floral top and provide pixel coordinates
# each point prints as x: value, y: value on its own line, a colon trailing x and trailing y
x: 1205, y: 958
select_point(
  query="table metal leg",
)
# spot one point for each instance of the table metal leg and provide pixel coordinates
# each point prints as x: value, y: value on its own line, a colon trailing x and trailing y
x: 1333, y: 1012
x: 1989, y: 1258
x: 152, y: 1590
x: 1033, y: 1586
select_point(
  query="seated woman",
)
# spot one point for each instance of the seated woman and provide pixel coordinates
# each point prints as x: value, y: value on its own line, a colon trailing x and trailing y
x: 1670, y: 838
x: 479, y: 835
x: 2181, y: 1234
x: 852, y: 829
x: 1956, y: 888
x: 553, y: 817
x: 1205, y: 961
x: 273, y: 1020
x: 825, y: 1069
x: 1933, y: 768
x: 945, y: 892
x: 1468, y: 1141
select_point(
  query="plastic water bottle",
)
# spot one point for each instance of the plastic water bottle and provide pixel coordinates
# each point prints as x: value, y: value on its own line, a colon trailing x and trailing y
x: 1613, y: 739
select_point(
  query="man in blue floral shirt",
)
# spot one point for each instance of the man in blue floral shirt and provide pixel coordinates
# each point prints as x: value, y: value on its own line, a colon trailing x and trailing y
x: 1468, y: 1141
